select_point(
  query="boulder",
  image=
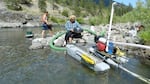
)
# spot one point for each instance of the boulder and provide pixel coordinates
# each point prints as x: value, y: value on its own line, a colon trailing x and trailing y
x: 36, y: 46
x: 39, y: 43
x: 59, y: 41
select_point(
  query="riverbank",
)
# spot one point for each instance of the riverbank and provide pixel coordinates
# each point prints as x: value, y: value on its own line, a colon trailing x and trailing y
x: 9, y: 19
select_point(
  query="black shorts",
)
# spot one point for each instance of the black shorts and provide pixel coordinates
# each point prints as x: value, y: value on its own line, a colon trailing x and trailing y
x: 49, y: 27
x: 46, y: 26
x: 72, y: 35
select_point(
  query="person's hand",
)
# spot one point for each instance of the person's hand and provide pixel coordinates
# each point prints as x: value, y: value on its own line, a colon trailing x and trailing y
x: 72, y: 30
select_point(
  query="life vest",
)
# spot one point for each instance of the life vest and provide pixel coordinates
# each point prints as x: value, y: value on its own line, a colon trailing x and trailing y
x: 101, y: 46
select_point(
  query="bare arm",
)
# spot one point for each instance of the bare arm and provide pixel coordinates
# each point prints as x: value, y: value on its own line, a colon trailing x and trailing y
x: 44, y: 19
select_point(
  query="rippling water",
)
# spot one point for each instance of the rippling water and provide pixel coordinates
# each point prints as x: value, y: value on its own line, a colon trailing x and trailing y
x: 19, y: 65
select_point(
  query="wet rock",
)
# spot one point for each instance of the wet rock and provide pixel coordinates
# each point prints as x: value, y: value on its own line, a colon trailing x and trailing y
x: 59, y: 41
x: 36, y: 46
x: 10, y: 25
x: 39, y: 43
x: 31, y: 24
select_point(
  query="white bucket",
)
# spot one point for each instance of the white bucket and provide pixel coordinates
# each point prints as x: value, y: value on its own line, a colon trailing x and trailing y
x: 103, y: 40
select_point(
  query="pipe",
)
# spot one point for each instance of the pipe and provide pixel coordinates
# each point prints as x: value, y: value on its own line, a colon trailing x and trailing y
x: 111, y: 61
x: 133, y: 45
x: 110, y: 24
x: 146, y: 80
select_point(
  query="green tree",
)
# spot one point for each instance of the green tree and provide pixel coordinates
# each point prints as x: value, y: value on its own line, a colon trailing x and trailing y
x: 139, y: 4
x: 148, y: 4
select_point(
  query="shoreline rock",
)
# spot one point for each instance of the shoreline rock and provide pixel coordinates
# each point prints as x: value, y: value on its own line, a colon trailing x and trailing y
x: 18, y: 25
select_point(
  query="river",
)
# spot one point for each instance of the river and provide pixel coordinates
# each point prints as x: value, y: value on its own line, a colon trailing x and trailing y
x: 19, y: 65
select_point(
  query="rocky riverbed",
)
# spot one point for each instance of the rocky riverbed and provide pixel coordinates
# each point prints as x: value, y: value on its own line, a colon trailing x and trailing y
x: 121, y: 32
x: 13, y: 19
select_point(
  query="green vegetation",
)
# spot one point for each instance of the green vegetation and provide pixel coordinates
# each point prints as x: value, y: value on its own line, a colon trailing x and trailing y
x: 16, y: 4
x: 65, y: 13
x: 42, y: 5
x: 95, y: 13
x: 140, y: 14
x: 80, y: 20
x: 57, y: 20
x: 145, y: 35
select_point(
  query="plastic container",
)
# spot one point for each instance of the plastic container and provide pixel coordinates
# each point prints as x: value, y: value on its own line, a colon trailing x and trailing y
x: 110, y: 48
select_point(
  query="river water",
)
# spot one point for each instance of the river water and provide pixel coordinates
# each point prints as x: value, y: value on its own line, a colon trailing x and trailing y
x: 19, y: 65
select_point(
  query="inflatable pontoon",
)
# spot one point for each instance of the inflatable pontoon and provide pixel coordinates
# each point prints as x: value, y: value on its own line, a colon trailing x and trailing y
x: 85, y: 58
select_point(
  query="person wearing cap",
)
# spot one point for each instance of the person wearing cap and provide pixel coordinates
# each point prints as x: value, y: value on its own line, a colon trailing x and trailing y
x: 71, y: 26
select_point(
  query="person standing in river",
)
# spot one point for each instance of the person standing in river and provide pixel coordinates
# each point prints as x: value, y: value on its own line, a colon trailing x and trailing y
x: 46, y: 25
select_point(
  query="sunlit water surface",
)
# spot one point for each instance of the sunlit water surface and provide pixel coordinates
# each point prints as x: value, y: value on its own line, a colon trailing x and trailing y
x: 19, y: 65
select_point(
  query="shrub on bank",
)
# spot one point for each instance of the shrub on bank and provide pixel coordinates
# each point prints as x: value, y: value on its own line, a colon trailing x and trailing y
x: 57, y: 20
x: 14, y: 6
x: 65, y: 13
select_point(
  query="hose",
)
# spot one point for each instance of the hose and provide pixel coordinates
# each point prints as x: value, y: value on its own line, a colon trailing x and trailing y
x: 54, y: 38
x: 52, y: 46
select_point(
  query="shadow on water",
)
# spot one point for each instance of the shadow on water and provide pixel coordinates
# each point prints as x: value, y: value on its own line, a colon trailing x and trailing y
x: 19, y: 65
